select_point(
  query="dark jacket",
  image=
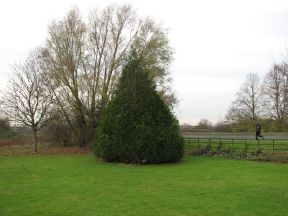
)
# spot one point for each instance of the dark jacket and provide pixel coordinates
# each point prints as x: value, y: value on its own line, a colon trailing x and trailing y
x: 258, y: 128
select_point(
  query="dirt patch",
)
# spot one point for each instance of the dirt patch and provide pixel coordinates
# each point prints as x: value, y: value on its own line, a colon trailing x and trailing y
x: 17, y: 150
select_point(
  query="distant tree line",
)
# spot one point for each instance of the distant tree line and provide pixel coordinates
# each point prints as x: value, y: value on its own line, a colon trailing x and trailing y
x: 66, y: 84
x: 205, y: 125
x: 264, y: 102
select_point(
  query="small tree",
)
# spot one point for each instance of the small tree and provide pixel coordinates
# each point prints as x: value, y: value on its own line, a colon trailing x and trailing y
x: 27, y: 99
x: 247, y: 109
x: 4, y: 126
x: 274, y: 90
x: 137, y: 126
x: 204, y: 124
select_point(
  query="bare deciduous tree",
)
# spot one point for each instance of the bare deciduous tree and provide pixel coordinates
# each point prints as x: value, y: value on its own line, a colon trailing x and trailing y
x: 204, y: 124
x: 274, y: 89
x: 27, y: 100
x: 63, y: 60
x: 247, y: 105
x: 83, y: 61
x: 111, y: 33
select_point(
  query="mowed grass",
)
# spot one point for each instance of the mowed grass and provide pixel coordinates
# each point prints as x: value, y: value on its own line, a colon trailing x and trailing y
x: 81, y: 185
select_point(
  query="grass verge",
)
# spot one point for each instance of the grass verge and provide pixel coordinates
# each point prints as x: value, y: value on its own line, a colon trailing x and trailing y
x: 81, y: 185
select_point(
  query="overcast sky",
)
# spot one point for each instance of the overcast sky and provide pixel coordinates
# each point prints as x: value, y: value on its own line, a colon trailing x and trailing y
x: 216, y: 43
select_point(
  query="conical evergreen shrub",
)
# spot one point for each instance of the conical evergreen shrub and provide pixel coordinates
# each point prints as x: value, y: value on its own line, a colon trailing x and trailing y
x: 137, y: 126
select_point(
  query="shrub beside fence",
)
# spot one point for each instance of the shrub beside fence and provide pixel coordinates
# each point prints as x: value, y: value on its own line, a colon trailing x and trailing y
x: 14, y: 139
x: 236, y: 146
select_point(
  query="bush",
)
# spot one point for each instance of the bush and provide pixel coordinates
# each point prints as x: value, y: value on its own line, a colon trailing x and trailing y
x: 137, y: 126
x: 59, y: 133
x: 4, y: 127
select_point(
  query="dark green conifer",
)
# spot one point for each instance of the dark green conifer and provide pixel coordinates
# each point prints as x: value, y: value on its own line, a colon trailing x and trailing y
x: 137, y: 126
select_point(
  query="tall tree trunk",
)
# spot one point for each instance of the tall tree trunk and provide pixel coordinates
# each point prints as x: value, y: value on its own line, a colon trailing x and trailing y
x: 34, y: 141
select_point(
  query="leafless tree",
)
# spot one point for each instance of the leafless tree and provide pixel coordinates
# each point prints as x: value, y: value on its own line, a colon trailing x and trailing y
x: 274, y: 89
x: 63, y: 60
x: 247, y: 105
x: 27, y: 100
x: 83, y: 61
x: 111, y: 33
x: 204, y: 124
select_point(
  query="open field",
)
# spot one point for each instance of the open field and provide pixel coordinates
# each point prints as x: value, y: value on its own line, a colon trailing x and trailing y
x: 81, y: 185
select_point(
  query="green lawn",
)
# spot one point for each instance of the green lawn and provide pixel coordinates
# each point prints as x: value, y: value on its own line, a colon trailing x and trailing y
x: 81, y: 185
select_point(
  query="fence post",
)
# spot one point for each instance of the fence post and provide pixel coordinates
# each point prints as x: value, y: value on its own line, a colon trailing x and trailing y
x: 221, y: 146
x: 209, y: 146
x: 273, y: 146
x: 233, y: 147
x: 246, y: 149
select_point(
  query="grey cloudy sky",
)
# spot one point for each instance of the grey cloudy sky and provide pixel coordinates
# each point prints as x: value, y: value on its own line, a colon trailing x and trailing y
x: 217, y: 43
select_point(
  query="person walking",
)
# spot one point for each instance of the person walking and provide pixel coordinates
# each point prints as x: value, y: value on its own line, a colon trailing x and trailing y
x: 258, y: 131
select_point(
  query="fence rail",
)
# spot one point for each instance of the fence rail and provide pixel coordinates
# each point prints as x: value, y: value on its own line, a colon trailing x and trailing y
x: 235, y: 145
